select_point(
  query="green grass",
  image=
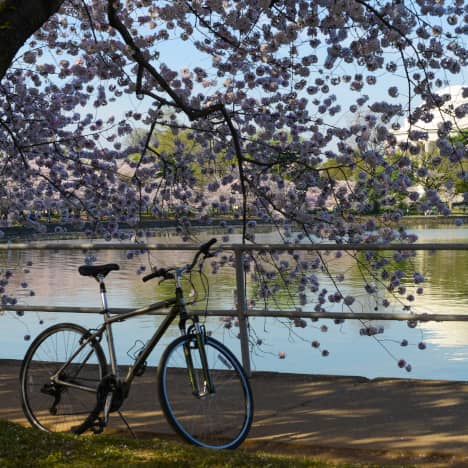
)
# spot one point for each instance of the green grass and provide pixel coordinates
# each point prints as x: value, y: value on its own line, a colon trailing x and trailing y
x: 26, y: 447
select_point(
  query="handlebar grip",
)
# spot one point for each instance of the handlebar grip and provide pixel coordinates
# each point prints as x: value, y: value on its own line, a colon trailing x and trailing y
x: 205, y: 248
x: 159, y: 272
x: 150, y: 276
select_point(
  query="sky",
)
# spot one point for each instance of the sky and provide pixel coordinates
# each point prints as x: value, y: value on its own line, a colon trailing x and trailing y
x: 178, y: 54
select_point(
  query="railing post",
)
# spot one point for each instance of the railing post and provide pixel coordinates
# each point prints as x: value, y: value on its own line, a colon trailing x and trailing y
x: 242, y: 310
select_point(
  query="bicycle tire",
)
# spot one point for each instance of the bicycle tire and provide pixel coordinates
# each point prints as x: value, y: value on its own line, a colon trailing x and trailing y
x: 55, y: 408
x: 218, y: 421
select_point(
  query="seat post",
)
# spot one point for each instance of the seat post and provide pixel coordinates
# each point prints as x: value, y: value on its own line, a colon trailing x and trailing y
x: 102, y: 291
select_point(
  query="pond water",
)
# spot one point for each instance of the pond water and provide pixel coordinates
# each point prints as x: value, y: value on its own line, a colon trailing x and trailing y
x: 54, y: 279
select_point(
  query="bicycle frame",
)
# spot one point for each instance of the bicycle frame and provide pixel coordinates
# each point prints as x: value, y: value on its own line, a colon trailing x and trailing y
x: 178, y: 309
x: 68, y: 382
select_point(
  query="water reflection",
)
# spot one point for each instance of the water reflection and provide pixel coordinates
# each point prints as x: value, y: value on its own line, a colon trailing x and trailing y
x: 54, y: 279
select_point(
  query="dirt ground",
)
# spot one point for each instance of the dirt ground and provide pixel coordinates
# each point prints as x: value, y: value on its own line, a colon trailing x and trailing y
x: 341, y: 419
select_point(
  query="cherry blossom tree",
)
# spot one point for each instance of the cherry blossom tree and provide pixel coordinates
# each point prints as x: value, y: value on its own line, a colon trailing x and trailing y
x: 261, y: 117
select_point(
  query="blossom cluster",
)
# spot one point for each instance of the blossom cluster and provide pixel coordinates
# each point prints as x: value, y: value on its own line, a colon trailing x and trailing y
x: 250, y: 131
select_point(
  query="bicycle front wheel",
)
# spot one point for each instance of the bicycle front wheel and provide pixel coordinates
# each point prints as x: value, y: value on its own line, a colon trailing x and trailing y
x: 63, y: 402
x: 220, y: 419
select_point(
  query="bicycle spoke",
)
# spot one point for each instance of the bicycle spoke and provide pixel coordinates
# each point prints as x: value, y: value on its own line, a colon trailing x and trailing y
x: 56, y: 403
x: 218, y: 420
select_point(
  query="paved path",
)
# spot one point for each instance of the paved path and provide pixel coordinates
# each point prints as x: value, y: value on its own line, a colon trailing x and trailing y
x: 344, y: 417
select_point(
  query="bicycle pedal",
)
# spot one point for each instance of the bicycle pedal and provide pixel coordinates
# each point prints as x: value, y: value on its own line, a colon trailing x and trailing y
x: 98, y: 426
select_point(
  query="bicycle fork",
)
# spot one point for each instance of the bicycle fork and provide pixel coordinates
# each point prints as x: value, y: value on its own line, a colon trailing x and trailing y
x: 207, y: 387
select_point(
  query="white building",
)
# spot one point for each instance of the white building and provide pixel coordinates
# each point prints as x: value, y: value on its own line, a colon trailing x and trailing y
x: 453, y: 114
x: 454, y: 110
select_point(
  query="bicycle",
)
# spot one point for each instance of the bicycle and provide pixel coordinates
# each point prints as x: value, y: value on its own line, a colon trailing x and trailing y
x: 66, y: 383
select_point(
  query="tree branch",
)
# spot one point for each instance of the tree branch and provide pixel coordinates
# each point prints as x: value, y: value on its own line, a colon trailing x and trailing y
x: 19, y: 19
x: 192, y: 113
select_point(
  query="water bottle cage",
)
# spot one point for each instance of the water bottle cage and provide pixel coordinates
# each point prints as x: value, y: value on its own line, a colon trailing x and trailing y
x: 140, y: 370
x: 134, y: 355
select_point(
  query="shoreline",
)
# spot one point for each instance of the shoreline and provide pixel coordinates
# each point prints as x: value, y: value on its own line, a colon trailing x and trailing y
x: 66, y: 231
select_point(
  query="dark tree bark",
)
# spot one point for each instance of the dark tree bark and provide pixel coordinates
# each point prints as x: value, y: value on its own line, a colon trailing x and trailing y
x: 19, y: 19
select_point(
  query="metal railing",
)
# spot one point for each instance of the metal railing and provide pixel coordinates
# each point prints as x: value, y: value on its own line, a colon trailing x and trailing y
x: 242, y: 310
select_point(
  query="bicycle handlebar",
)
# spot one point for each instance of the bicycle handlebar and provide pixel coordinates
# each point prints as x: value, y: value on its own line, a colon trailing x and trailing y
x: 155, y: 274
x: 166, y: 273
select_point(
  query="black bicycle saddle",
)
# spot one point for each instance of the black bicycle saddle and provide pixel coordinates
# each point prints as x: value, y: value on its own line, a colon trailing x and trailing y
x: 97, y: 270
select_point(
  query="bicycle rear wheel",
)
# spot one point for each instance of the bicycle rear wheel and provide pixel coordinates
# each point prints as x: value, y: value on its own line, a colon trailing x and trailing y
x: 220, y: 420
x: 51, y: 406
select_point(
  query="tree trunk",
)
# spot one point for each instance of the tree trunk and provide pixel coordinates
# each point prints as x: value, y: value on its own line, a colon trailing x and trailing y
x: 19, y: 19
